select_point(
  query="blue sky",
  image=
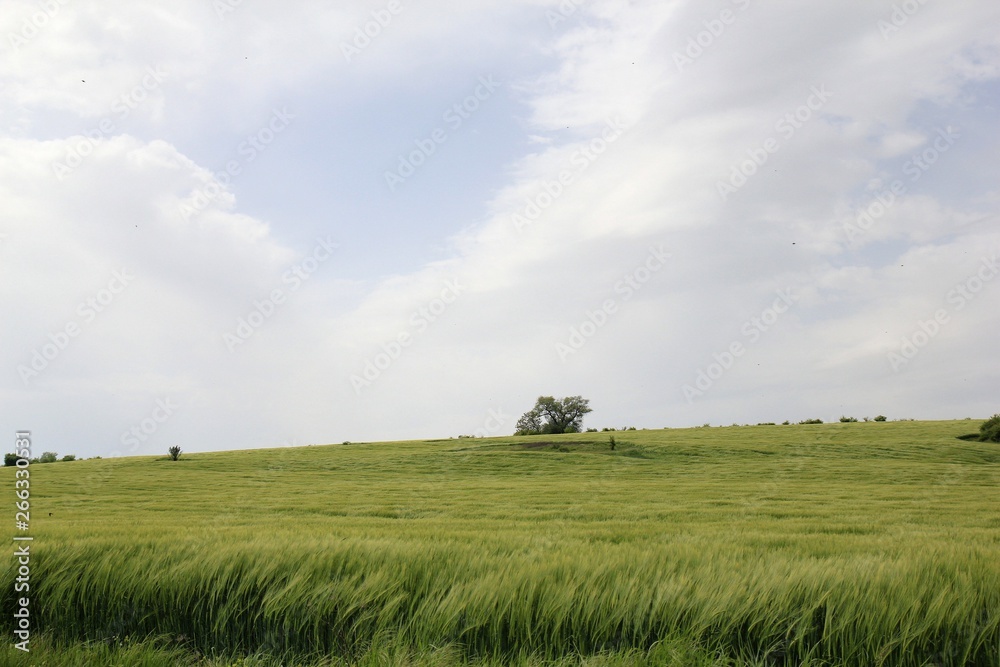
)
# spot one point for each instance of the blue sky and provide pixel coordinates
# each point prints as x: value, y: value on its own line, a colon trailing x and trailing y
x: 679, y: 166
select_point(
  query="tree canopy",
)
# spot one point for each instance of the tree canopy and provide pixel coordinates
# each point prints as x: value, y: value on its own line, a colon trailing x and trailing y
x: 989, y: 430
x: 554, y: 415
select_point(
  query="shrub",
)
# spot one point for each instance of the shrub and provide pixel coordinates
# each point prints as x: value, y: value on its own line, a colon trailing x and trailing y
x: 880, y: 418
x: 811, y: 421
x: 175, y: 453
x: 785, y: 423
x: 989, y: 431
x: 10, y: 459
x: 765, y: 424
x: 612, y: 443
x: 69, y: 457
x: 591, y: 430
x: 48, y: 457
x: 847, y: 420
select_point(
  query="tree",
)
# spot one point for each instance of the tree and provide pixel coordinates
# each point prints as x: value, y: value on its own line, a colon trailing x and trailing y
x: 989, y: 430
x: 530, y: 423
x: 553, y: 415
x: 48, y: 457
x: 175, y: 453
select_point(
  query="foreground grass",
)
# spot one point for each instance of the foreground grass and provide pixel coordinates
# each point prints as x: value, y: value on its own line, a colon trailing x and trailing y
x: 160, y: 653
x: 835, y: 544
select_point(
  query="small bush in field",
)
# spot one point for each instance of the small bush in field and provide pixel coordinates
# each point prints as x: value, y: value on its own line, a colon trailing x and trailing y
x: 989, y: 431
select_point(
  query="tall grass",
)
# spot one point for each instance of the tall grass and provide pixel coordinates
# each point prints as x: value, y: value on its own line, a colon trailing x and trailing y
x: 847, y: 544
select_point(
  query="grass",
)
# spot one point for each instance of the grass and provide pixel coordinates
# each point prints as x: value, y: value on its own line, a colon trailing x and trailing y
x: 834, y: 544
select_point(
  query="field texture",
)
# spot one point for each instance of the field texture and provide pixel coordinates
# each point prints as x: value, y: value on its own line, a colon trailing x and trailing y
x: 837, y: 544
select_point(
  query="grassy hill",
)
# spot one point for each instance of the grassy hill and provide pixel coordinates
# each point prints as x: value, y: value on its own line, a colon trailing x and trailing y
x: 834, y: 544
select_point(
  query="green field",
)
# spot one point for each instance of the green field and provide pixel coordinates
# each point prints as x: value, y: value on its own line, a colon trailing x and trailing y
x: 835, y: 544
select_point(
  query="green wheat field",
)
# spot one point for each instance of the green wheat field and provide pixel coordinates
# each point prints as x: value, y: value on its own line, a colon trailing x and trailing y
x: 857, y: 544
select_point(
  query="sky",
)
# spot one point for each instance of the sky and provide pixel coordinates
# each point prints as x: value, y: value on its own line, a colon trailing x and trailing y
x: 230, y: 224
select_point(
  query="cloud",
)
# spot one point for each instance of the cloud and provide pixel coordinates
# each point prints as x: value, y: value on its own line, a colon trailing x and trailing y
x: 622, y: 152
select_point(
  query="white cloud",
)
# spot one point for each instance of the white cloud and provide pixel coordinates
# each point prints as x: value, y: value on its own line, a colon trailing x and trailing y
x: 525, y: 291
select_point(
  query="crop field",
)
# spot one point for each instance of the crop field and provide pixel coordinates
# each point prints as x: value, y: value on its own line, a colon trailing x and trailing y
x: 835, y: 544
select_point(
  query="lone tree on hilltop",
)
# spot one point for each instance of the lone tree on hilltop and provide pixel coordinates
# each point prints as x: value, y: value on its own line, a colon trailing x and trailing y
x: 175, y: 453
x: 553, y: 415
